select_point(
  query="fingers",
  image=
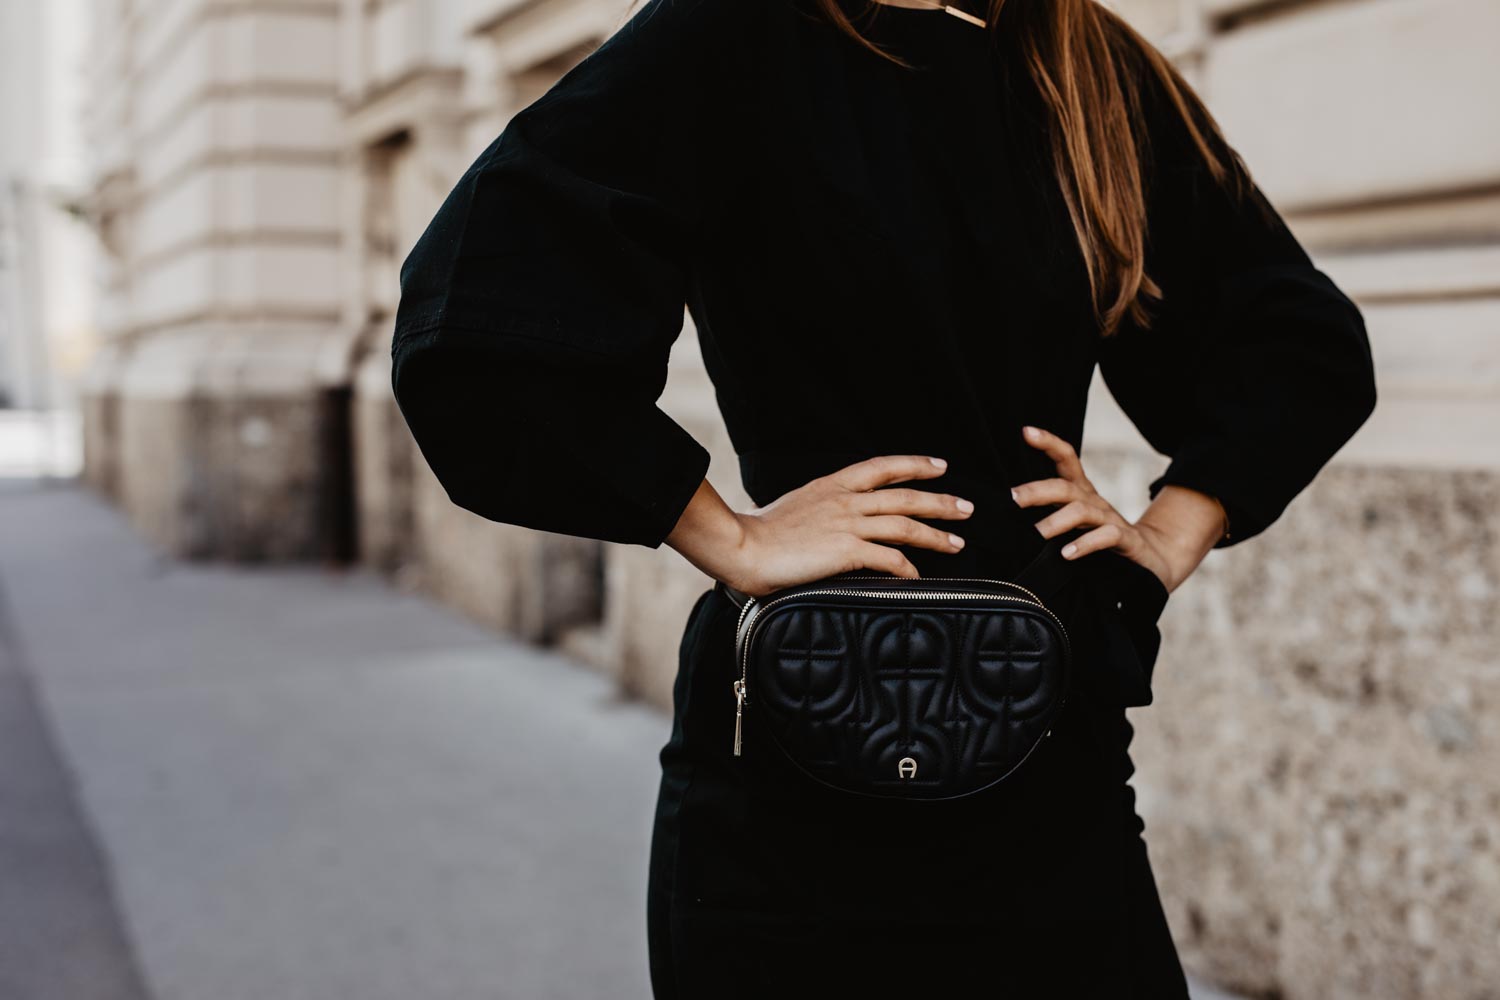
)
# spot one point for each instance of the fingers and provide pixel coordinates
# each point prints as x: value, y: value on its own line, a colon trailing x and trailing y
x: 913, y: 503
x: 883, y: 469
x: 1057, y: 449
x: 1040, y: 492
x: 1074, y: 515
x: 868, y: 555
x: 1106, y: 536
x: 894, y: 528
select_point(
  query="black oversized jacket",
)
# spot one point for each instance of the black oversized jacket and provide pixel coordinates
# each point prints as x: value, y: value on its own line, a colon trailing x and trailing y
x: 877, y: 260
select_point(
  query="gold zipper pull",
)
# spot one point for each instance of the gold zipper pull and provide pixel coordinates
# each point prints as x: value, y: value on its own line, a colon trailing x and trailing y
x: 739, y: 712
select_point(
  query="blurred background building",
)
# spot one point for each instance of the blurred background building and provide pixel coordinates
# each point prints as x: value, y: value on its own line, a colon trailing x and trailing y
x: 46, y: 252
x: 1320, y: 801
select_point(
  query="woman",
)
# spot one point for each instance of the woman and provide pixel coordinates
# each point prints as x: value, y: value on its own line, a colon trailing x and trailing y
x: 907, y: 240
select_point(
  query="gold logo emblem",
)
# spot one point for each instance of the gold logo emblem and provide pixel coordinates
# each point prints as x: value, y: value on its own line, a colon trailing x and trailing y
x: 906, y: 768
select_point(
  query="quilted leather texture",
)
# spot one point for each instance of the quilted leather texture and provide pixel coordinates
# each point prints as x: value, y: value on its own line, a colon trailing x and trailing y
x: 928, y: 702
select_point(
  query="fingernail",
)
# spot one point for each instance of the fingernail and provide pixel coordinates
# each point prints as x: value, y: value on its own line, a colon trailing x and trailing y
x: 941, y: 463
x: 958, y: 542
x: 1032, y: 432
x: 1015, y: 496
x: 1069, y: 549
x: 965, y: 506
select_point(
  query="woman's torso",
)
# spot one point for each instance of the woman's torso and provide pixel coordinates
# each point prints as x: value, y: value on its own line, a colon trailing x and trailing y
x: 887, y: 266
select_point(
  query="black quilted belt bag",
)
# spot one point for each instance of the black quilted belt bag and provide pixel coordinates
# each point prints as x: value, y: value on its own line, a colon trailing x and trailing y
x: 885, y: 686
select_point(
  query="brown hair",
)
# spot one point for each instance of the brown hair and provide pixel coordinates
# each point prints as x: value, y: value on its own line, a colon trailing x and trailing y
x: 1086, y: 65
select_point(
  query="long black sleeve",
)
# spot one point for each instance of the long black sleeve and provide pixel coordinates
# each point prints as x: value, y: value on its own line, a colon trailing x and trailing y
x: 1257, y: 368
x: 538, y: 309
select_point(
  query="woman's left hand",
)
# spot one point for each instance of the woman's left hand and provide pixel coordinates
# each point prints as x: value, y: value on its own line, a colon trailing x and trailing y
x: 1080, y: 505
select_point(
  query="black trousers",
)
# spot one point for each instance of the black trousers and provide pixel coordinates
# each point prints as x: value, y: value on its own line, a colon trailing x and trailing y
x: 1040, y: 887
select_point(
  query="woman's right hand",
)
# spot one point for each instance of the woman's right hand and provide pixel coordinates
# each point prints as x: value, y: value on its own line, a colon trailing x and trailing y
x: 834, y: 524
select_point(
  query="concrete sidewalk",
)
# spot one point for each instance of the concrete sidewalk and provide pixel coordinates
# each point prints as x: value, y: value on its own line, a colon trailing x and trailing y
x: 311, y: 786
x: 297, y: 785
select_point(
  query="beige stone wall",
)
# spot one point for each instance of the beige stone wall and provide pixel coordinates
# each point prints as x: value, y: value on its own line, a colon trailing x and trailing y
x: 214, y: 130
x: 1317, y: 773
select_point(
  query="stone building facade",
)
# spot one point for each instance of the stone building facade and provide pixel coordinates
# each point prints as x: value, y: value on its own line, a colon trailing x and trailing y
x: 215, y: 130
x: 1320, y: 802
x: 46, y: 321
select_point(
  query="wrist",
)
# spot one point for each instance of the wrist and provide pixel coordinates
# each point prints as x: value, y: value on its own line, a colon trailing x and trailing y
x: 735, y: 558
x: 1177, y: 561
x: 1183, y: 524
x: 712, y: 536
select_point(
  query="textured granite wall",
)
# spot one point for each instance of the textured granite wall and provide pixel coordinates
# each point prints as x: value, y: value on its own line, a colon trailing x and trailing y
x: 1319, y: 772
